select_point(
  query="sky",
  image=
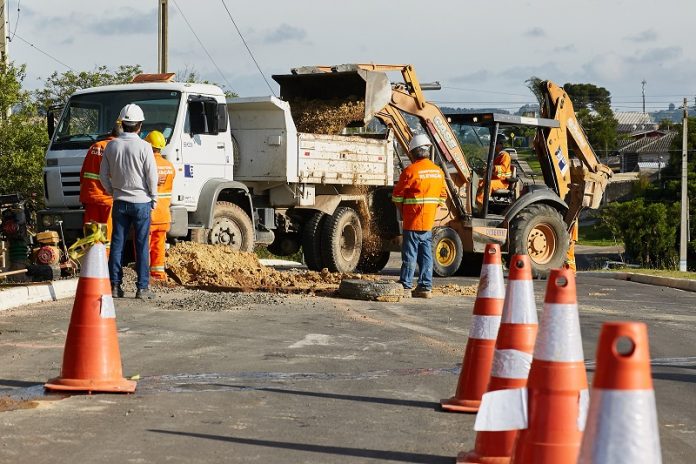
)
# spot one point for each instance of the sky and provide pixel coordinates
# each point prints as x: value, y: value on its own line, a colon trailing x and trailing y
x: 480, y: 52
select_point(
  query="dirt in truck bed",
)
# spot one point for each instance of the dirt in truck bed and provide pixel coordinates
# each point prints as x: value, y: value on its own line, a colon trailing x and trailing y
x: 218, y: 266
x: 326, y: 116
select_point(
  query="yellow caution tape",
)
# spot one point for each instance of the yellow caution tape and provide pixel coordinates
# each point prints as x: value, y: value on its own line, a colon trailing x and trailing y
x: 94, y: 233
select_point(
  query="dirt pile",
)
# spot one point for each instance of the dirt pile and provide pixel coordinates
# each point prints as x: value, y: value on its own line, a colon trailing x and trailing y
x: 326, y: 116
x: 455, y: 290
x: 218, y: 266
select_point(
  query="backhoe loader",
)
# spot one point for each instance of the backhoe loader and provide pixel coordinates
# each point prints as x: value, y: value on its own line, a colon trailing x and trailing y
x: 535, y: 218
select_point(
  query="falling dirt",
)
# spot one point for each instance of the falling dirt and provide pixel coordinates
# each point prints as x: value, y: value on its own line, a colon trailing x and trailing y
x: 9, y: 404
x: 326, y: 116
x: 218, y: 266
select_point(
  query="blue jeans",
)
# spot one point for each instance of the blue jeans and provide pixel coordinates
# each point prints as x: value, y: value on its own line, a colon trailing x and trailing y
x: 417, y: 248
x: 124, y: 215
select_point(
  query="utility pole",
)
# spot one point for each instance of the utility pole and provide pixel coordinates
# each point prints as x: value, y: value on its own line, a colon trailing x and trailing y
x: 162, y: 31
x: 684, y: 200
x: 643, y: 82
x: 4, y: 32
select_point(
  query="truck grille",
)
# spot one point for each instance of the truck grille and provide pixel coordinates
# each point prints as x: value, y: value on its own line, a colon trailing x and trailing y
x: 70, y: 181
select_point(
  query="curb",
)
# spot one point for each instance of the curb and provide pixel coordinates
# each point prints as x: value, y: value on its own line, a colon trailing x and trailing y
x: 30, y: 294
x: 671, y: 282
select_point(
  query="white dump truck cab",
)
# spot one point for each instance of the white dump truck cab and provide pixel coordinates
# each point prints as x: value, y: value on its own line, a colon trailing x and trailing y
x: 194, y: 121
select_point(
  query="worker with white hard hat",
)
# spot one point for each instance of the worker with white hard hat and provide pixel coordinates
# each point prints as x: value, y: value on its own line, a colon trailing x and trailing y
x: 418, y: 194
x: 128, y: 171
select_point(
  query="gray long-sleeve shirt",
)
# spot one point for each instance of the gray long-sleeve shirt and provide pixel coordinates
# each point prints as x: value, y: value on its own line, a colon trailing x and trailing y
x: 128, y: 170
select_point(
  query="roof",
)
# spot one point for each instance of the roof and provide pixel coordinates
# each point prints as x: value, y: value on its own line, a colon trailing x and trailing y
x: 630, y: 121
x: 642, y: 144
x: 176, y: 86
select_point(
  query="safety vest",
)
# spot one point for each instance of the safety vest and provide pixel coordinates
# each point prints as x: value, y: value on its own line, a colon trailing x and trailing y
x: 420, y: 190
x: 91, y: 189
x: 501, y: 166
x: 165, y: 182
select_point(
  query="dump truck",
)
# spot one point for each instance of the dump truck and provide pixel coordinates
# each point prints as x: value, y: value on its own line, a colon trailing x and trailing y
x: 245, y: 175
x: 535, y: 218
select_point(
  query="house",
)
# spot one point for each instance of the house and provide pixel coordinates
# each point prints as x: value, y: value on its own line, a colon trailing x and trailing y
x: 633, y: 121
x: 645, y: 151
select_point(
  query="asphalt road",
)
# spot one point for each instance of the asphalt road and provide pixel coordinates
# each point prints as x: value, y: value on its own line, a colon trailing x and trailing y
x: 297, y: 379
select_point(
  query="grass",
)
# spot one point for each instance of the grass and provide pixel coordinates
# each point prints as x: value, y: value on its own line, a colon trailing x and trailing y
x: 262, y: 253
x: 596, y: 235
x: 661, y: 273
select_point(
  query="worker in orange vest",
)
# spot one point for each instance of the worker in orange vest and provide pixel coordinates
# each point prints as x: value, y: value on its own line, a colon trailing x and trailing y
x: 570, y: 255
x: 501, y: 174
x: 417, y: 195
x: 161, y: 216
x: 94, y: 198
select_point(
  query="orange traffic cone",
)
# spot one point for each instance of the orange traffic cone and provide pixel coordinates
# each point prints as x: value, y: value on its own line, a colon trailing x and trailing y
x: 91, y: 360
x: 622, y: 420
x: 511, y: 361
x: 478, y: 357
x: 557, y: 385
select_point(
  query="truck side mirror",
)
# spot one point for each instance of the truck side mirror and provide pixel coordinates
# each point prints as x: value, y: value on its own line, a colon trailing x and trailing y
x: 50, y: 123
x: 220, y: 124
x: 206, y: 116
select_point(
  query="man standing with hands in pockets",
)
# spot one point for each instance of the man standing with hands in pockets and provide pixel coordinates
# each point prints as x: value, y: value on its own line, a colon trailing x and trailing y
x: 129, y: 173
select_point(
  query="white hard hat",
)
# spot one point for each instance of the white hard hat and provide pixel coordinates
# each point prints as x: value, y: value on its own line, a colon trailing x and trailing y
x: 131, y: 114
x: 420, y: 140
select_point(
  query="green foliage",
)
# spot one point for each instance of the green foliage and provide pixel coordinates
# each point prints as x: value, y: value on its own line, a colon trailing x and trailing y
x: 58, y: 87
x: 649, y: 230
x: 588, y: 96
x: 593, y: 109
x: 190, y: 75
x: 23, y: 137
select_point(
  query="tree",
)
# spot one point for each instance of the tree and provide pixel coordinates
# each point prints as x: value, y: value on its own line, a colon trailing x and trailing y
x: 59, y: 87
x: 588, y: 96
x: 23, y: 136
x: 593, y: 109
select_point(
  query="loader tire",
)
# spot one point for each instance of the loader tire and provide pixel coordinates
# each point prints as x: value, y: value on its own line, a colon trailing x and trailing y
x: 447, y: 251
x: 231, y: 226
x: 539, y: 231
x: 341, y: 241
x: 311, y: 241
x: 371, y: 262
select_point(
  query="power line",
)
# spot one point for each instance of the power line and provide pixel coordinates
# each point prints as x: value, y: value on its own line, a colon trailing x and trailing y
x: 248, y: 49
x: 43, y: 52
x: 201, y: 44
x: 14, y: 33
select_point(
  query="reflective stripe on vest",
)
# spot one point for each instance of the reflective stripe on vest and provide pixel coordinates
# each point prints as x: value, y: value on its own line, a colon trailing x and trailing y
x: 91, y: 175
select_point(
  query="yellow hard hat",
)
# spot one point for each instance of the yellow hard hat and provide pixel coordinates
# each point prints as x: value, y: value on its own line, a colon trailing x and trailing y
x: 156, y: 139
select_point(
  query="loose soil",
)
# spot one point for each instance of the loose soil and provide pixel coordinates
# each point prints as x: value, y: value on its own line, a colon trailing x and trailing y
x: 455, y: 290
x: 326, y: 116
x: 214, y: 267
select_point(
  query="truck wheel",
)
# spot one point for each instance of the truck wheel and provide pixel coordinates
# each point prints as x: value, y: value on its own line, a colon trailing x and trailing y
x: 231, y: 226
x: 341, y: 241
x: 447, y: 251
x: 371, y: 262
x: 539, y: 231
x: 311, y: 241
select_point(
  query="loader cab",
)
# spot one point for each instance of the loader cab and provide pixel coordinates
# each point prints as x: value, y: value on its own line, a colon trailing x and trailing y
x: 477, y: 133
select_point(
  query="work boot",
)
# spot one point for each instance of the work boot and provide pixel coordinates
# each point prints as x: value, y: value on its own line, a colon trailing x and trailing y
x: 145, y: 294
x: 117, y: 291
x: 420, y: 292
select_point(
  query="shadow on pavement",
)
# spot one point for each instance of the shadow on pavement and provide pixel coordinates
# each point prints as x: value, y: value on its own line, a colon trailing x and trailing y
x: 339, y: 450
x: 336, y: 396
x: 18, y: 383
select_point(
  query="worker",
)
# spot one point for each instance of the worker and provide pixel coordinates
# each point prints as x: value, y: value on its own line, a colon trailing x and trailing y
x: 161, y: 216
x: 417, y: 195
x: 501, y: 171
x: 129, y: 173
x: 96, y: 201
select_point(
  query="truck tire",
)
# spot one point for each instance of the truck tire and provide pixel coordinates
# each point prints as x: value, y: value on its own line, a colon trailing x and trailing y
x: 371, y: 262
x: 539, y: 231
x: 231, y: 226
x: 311, y: 241
x: 447, y: 251
x: 341, y: 241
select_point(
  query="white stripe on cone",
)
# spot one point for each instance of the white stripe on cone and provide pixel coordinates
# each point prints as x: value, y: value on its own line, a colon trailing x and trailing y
x: 491, y: 283
x: 94, y: 264
x: 559, y: 334
x: 519, y: 299
x: 621, y: 428
x: 511, y: 364
x: 484, y: 327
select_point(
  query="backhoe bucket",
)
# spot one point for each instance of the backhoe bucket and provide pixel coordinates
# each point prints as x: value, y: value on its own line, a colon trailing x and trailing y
x: 345, y: 82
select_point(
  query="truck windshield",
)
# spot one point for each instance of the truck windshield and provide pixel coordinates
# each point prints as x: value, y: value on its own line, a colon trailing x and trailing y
x: 90, y: 117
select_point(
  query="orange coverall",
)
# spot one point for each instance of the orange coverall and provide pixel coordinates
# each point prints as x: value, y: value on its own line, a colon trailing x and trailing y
x: 499, y: 178
x: 96, y: 201
x: 419, y: 192
x: 161, y: 216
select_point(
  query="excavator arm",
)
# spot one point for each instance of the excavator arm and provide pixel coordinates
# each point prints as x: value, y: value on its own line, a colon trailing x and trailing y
x: 581, y: 180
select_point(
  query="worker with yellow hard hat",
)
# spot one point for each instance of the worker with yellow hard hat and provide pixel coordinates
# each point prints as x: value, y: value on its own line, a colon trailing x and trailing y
x: 161, y: 216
